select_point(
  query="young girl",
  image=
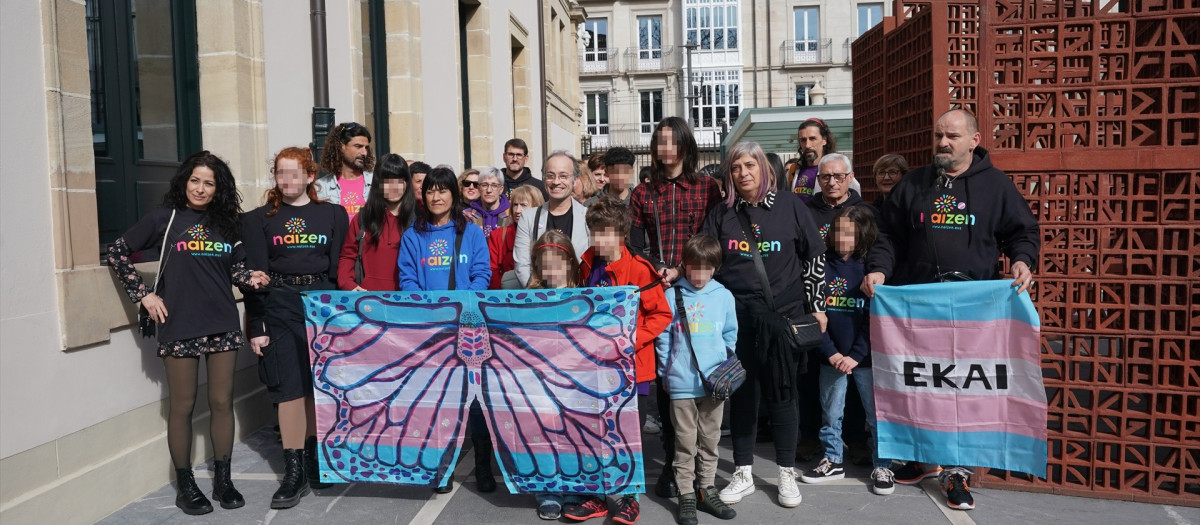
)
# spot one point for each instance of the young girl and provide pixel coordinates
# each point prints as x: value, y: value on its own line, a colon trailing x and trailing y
x: 377, y: 230
x: 297, y: 239
x: 847, y: 346
x: 552, y: 265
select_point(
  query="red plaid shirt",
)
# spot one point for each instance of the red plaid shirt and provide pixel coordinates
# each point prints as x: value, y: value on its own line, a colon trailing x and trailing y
x: 681, y: 209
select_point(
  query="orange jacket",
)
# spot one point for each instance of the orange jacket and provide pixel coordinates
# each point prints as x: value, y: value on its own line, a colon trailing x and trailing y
x: 653, y: 312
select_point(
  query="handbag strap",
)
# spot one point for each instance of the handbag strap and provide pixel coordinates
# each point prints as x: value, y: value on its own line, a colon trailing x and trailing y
x: 454, y: 257
x: 658, y: 228
x: 537, y: 220
x: 744, y: 218
x: 358, y: 262
x: 162, y: 253
x: 681, y: 310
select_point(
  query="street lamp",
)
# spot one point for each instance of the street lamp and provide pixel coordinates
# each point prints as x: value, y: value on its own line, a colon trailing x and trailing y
x: 687, y: 82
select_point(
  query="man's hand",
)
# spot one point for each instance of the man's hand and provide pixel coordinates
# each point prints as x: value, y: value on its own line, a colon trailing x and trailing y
x: 258, y: 343
x: 869, y: 282
x: 822, y: 321
x: 1021, y: 276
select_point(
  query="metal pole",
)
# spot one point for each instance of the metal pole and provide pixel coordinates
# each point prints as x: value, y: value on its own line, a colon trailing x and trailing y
x: 687, y: 83
x: 322, y: 114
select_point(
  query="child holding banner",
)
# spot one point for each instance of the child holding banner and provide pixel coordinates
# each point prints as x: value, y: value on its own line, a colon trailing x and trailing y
x: 701, y: 340
x: 552, y: 265
x: 609, y: 263
x: 847, y: 346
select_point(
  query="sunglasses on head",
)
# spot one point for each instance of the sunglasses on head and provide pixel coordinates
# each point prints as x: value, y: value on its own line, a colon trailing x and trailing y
x: 350, y: 128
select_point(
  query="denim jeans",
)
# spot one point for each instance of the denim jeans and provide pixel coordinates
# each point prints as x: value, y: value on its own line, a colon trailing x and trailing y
x: 833, y: 407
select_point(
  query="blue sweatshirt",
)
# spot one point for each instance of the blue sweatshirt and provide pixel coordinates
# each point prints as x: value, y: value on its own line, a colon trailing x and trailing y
x: 425, y: 259
x: 847, y: 307
x: 713, y: 322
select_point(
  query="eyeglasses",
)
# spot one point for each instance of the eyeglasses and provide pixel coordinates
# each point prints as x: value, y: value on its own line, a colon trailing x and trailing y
x: 470, y: 183
x: 890, y: 173
x: 489, y: 186
x: 514, y: 154
x: 839, y: 177
x: 558, y: 176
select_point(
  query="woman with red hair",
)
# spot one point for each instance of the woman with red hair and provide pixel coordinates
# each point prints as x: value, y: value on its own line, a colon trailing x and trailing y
x: 297, y: 239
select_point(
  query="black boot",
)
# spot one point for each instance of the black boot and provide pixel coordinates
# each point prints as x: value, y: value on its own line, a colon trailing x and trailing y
x: 666, y: 486
x: 190, y: 500
x: 483, y: 464
x: 444, y: 489
x: 223, y: 490
x: 312, y: 465
x: 294, y: 485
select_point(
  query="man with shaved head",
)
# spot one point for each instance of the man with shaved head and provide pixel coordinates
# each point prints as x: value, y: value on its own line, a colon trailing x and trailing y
x: 950, y: 221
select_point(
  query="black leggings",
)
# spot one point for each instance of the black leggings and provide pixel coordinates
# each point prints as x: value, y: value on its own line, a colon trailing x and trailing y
x: 181, y: 385
x: 743, y: 407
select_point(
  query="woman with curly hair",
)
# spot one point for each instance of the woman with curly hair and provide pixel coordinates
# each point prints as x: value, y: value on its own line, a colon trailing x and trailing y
x: 197, y: 232
x: 297, y: 239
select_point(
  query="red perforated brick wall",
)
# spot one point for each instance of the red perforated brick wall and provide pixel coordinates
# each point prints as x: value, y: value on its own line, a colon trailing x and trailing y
x: 1093, y: 108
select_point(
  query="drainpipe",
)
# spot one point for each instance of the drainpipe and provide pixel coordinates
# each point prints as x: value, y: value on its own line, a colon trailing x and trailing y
x: 322, y: 114
x: 770, y: 91
x: 754, y: 45
x: 541, y: 7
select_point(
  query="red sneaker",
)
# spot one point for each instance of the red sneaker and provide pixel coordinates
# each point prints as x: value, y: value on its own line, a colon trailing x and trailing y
x: 590, y: 508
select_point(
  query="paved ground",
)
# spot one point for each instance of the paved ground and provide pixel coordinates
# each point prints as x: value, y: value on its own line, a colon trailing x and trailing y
x: 258, y: 459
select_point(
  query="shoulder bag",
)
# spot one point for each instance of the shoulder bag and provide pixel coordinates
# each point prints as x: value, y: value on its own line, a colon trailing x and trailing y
x: 806, y: 331
x: 359, y: 272
x: 146, y: 324
x: 454, y: 258
x: 728, y: 376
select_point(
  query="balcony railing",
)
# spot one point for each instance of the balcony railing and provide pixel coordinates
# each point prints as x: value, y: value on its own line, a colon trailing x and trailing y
x: 651, y: 60
x: 600, y: 62
x: 807, y: 52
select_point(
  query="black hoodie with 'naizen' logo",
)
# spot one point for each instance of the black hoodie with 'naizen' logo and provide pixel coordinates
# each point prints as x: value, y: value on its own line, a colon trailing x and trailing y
x: 932, y: 225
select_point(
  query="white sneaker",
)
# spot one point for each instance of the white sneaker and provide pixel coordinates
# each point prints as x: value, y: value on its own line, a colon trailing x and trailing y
x: 789, y: 493
x: 652, y: 425
x: 740, y: 486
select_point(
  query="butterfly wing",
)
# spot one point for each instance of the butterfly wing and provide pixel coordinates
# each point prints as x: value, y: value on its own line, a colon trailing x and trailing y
x: 390, y: 387
x: 559, y: 391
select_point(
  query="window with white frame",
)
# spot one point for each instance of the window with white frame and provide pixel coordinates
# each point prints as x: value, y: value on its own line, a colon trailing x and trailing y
x: 717, y: 97
x: 868, y: 16
x: 712, y: 24
x: 649, y: 37
x: 597, y: 113
x: 802, y: 94
x: 595, y: 40
x: 806, y: 22
x: 651, y: 109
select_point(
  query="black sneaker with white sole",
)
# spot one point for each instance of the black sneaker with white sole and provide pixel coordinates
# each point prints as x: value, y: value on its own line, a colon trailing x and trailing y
x: 825, y: 471
x: 883, y: 481
x: 958, y: 495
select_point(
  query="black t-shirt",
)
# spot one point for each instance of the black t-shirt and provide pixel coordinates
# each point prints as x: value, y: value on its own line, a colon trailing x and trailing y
x: 298, y: 240
x: 785, y: 234
x: 561, y: 223
x: 196, y: 283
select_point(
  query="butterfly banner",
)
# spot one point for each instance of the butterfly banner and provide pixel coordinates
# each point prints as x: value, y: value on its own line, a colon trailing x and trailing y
x: 958, y: 376
x: 395, y: 374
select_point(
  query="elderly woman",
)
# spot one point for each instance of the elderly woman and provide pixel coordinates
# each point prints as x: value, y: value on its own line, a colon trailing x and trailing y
x: 887, y: 170
x: 490, y: 210
x: 561, y: 212
x: 792, y: 253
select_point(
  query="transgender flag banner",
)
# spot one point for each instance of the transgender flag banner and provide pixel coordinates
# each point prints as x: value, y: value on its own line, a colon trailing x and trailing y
x: 958, y: 376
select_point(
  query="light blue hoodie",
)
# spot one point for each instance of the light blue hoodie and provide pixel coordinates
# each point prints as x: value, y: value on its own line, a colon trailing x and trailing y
x: 714, y: 329
x: 425, y: 258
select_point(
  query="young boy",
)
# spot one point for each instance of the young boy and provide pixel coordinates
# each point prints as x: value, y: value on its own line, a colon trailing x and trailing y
x: 608, y: 263
x: 618, y: 165
x: 701, y: 338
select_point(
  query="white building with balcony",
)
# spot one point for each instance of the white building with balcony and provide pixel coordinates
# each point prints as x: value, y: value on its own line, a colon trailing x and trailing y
x: 634, y: 61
